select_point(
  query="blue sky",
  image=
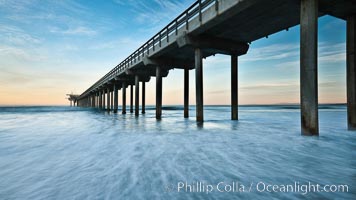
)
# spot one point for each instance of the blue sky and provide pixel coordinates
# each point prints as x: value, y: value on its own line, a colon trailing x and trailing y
x: 50, y: 48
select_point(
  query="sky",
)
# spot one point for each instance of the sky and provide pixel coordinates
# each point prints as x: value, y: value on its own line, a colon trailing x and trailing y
x: 51, y: 48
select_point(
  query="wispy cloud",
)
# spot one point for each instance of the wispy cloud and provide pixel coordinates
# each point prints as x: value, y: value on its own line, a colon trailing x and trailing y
x: 154, y: 12
x: 272, y: 52
x: 8, y: 53
x: 74, y: 31
x: 328, y: 54
x: 13, y: 35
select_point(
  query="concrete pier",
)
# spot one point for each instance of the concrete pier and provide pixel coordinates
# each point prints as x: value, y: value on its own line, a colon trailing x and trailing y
x: 158, y: 92
x: 124, y: 97
x: 116, y: 98
x: 186, y: 92
x: 351, y: 72
x: 143, y: 97
x: 309, y: 67
x: 131, y: 99
x: 234, y: 87
x: 137, y: 95
x: 208, y: 28
x: 199, y: 85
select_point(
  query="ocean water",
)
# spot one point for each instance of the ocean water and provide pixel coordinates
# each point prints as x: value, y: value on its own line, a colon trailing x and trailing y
x: 83, y: 153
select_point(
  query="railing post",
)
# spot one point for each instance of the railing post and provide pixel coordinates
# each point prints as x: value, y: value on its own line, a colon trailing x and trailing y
x: 160, y: 39
x: 167, y: 34
x: 200, y: 9
x: 187, y: 20
x: 176, y: 26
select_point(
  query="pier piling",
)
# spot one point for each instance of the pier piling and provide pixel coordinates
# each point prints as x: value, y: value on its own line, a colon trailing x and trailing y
x: 131, y: 99
x: 123, y: 98
x: 309, y: 67
x: 158, y: 92
x: 137, y: 95
x: 143, y: 97
x: 116, y: 98
x: 234, y: 87
x: 186, y: 92
x: 108, y: 99
x: 199, y: 85
x: 351, y: 72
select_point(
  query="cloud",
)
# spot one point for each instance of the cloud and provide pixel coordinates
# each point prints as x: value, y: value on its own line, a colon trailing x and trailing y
x: 121, y: 42
x: 286, y: 85
x: 13, y: 35
x: 8, y: 53
x: 272, y: 52
x: 269, y: 86
x: 327, y: 54
x: 154, y: 12
x: 74, y: 31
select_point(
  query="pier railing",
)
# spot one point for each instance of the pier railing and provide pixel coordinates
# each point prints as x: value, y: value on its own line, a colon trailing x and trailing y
x: 195, y: 10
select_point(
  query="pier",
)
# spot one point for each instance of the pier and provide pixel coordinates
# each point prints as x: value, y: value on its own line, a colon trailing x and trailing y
x: 210, y: 27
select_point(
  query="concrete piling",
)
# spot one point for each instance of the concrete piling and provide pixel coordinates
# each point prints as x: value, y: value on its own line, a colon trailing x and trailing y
x: 143, y: 97
x: 116, y: 98
x: 309, y: 67
x: 158, y: 92
x: 123, y: 98
x: 351, y: 72
x: 137, y: 95
x: 108, y: 99
x: 131, y: 99
x: 234, y: 87
x: 199, y: 85
x: 186, y: 93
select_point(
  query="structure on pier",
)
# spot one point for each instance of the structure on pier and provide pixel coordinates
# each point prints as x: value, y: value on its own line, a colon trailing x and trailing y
x: 210, y: 27
x: 73, y: 99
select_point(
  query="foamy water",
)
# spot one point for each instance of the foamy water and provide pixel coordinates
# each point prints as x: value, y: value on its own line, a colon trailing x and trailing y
x: 76, y: 153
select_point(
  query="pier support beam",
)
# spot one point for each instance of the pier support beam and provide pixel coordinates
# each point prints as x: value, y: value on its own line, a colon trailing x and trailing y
x: 309, y: 67
x: 199, y: 85
x: 186, y: 92
x: 158, y: 92
x: 108, y: 99
x: 137, y: 95
x: 116, y: 98
x: 234, y: 87
x: 351, y: 72
x: 123, y: 98
x: 143, y: 97
x: 131, y: 99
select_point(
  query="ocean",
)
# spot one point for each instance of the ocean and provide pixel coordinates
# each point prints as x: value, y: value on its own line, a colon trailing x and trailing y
x: 84, y: 153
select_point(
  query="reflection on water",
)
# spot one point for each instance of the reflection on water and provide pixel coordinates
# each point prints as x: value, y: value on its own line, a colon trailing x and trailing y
x: 76, y: 153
